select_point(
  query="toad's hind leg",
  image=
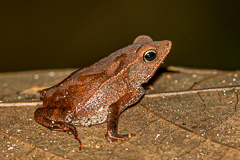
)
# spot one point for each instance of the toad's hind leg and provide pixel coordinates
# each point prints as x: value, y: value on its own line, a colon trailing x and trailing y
x: 69, y: 128
x: 55, y: 119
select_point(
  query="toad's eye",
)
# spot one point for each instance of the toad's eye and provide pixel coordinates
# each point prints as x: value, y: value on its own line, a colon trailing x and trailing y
x: 149, y: 55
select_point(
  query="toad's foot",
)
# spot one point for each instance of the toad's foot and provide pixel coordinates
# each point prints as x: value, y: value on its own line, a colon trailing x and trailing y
x: 44, y: 116
x: 118, y: 137
x: 72, y: 129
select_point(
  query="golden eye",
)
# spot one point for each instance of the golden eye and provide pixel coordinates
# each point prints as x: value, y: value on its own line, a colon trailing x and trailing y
x: 149, y: 55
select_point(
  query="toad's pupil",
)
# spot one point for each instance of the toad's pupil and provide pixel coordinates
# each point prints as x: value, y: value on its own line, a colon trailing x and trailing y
x: 150, y: 56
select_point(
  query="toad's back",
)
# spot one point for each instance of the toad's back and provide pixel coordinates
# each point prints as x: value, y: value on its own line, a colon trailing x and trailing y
x: 91, y: 90
x: 79, y: 87
x: 70, y: 92
x: 73, y: 90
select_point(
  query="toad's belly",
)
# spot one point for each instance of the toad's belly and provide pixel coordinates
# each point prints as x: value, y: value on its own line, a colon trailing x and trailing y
x: 92, y: 118
x: 95, y: 109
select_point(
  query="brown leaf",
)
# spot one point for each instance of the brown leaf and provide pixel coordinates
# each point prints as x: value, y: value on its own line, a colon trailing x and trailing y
x: 189, y: 115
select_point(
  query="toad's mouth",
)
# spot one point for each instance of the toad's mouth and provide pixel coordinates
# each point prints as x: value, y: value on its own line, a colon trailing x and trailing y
x: 168, y: 46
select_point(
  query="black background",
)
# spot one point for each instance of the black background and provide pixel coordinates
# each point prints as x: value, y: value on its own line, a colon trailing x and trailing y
x: 72, y: 34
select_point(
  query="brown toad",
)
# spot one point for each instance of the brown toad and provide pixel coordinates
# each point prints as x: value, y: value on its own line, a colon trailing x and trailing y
x: 102, y: 91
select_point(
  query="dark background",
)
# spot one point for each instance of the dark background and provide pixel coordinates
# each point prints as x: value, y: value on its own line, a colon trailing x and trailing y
x: 72, y: 34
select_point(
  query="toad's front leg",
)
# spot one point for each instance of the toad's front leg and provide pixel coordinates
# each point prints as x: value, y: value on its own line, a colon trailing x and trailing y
x: 114, y: 112
x: 112, y: 125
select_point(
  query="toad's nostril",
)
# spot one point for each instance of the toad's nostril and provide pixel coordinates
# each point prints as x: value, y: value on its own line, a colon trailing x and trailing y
x: 168, y: 44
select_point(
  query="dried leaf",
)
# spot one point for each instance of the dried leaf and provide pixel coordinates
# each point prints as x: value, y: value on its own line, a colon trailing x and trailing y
x: 186, y: 115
